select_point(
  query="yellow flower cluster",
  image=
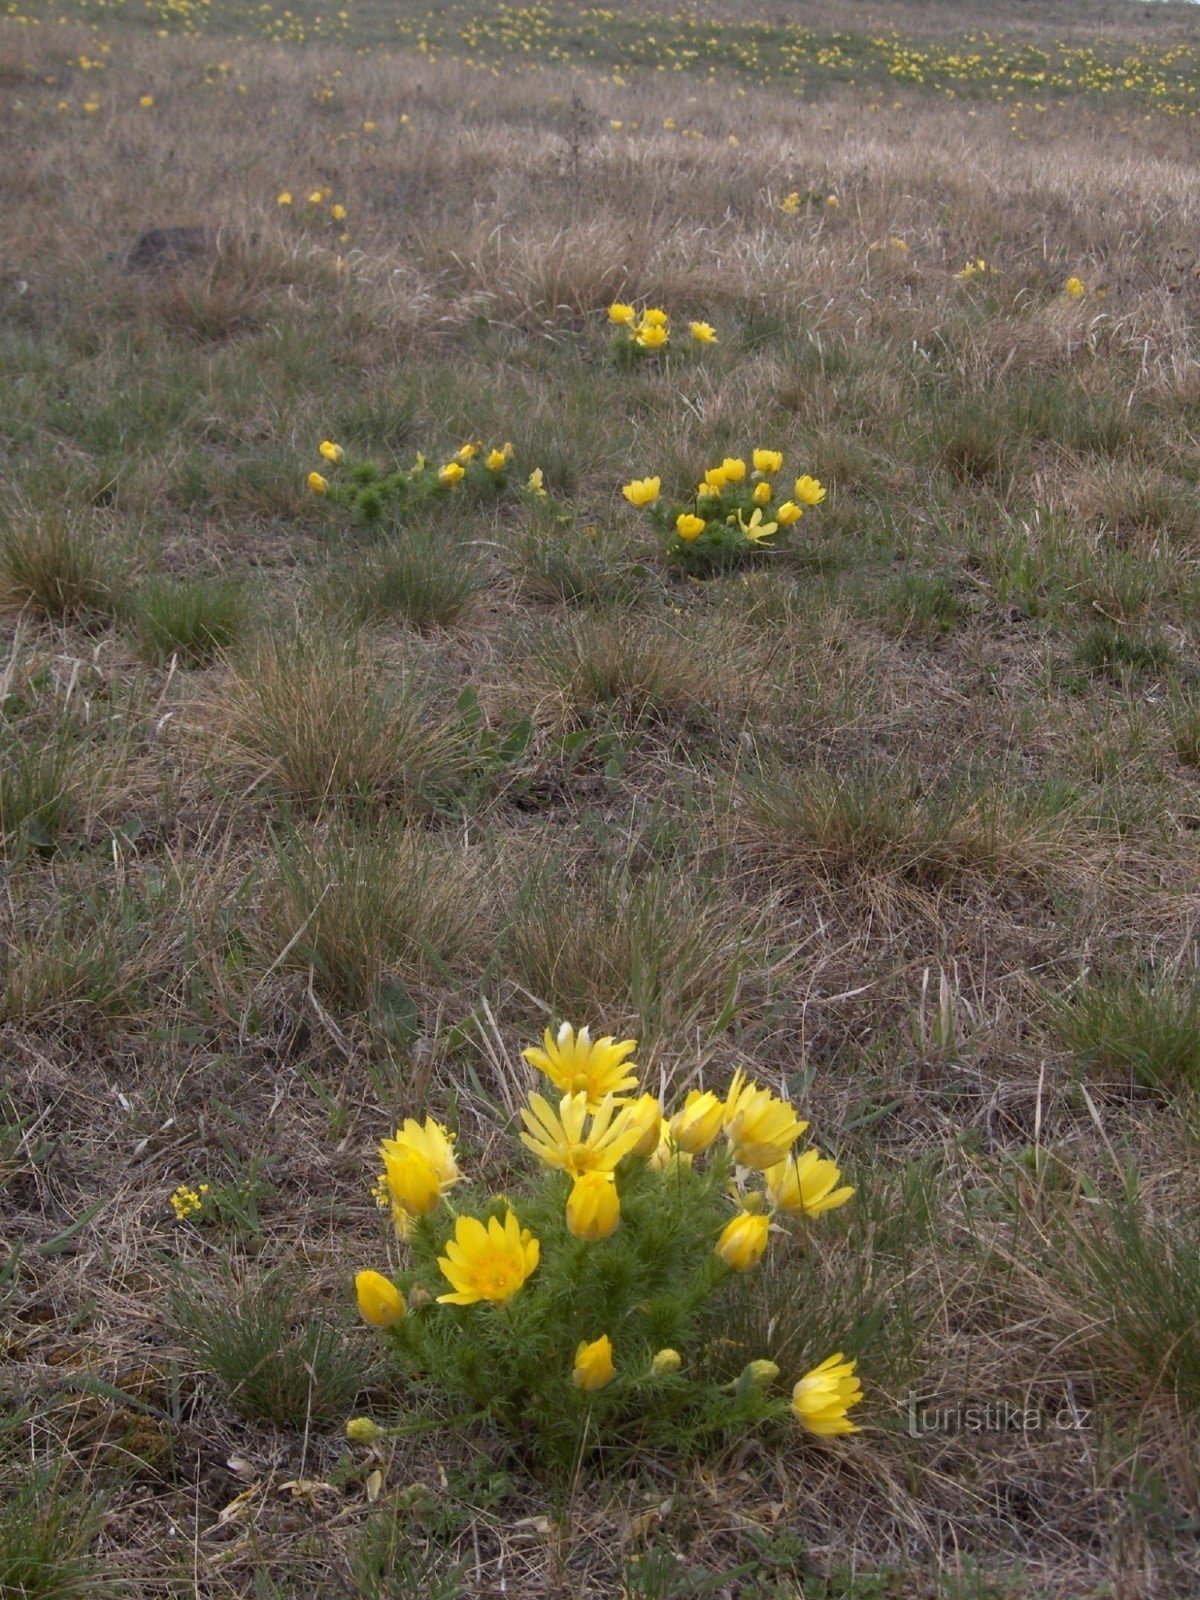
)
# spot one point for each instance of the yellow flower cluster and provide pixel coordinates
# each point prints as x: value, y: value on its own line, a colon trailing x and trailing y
x: 974, y: 269
x: 649, y: 330
x: 187, y: 1202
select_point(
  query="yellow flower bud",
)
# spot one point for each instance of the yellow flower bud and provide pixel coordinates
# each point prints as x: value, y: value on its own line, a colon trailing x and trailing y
x: 317, y: 483
x: 451, y: 474
x: 762, y: 1371
x: 695, y: 1127
x: 593, y: 1207
x: 734, y: 469
x: 788, y: 513
x: 332, y: 452
x: 743, y: 1241
x: 761, y: 494
x: 593, y: 1364
x: 412, y: 1179
x: 379, y: 1301
x: 361, y: 1430
x: 665, y: 1363
x: 768, y: 462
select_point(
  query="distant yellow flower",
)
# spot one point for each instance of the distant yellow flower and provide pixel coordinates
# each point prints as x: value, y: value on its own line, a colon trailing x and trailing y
x: 1075, y: 288
x: 642, y: 491
x: 760, y: 1127
x: 451, y: 474
x: 368, y: 127
x: 332, y: 452
x: 317, y: 483
x: 716, y: 478
x: 338, y: 213
x: 702, y: 332
x: 487, y: 1263
x: 593, y: 1364
x: 805, y: 1183
x: 559, y: 1139
x: 808, y: 491
x: 768, y: 462
x: 575, y: 1061
x: 466, y: 454
x: 536, y: 483
x: 790, y: 203
x: 689, y: 527
x: 651, y: 336
x: 832, y: 201
x: 624, y: 316
x: 652, y: 317
x: 379, y: 1301
x: 666, y: 1362
x: 743, y: 1241
x: 593, y: 1206
x: 316, y: 197
x: 644, y: 1115
x: 146, y: 101
x: 823, y: 1396
x: 705, y: 490
x: 695, y: 1127
x: 497, y: 460
x: 788, y: 513
x: 284, y: 199
x: 761, y: 494
x: 756, y: 530
x: 734, y: 469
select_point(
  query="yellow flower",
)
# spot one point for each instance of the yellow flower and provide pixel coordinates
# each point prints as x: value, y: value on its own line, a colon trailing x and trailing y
x: 432, y: 1142
x: 808, y: 491
x: 332, y: 452
x: 623, y: 316
x: 316, y: 197
x: 695, y: 1127
x: 665, y: 1363
x: 466, y: 454
x: 768, y: 462
x: 832, y: 200
x: 823, y: 1396
x: 761, y: 494
x: 338, y: 213
x: 642, y: 491
x: 146, y: 101
x: 487, y: 1263
x: 689, y: 527
x: 756, y: 530
x: 451, y: 474
x: 652, y: 336
x: 716, y: 479
x: 788, y: 513
x: 379, y: 1301
x: 317, y: 483
x: 368, y: 127
x: 593, y: 1206
x: 593, y: 1364
x: 558, y: 1139
x: 535, y: 483
x: 645, y: 1115
x: 734, y: 469
x: 1075, y: 288
x: 702, y: 332
x: 760, y: 1127
x: 411, y: 1178
x: 704, y: 490
x: 361, y: 1430
x: 575, y: 1061
x: 805, y: 1184
x: 497, y: 460
x: 790, y: 203
x: 743, y: 1241
x: 654, y: 318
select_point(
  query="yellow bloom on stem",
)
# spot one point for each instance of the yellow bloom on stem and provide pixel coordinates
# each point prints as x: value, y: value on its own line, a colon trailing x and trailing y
x: 652, y: 335
x: 361, y: 1430
x: 338, y: 213
x: 654, y: 318
x: 768, y: 462
x: 431, y: 1141
x: 788, y: 513
x: 695, y: 1127
x: 832, y: 201
x: 624, y: 316
x: 716, y: 479
x: 593, y: 1206
x: 411, y: 1179
x: 756, y: 530
x: 702, y: 332
x: 466, y: 454
x: 806, y: 1183
x: 689, y: 527
x: 575, y: 1061
x: 1075, y: 288
x: 593, y: 1364
x: 667, y: 1155
x: 146, y: 101
x: 487, y: 1263
x: 743, y: 1241
x: 823, y: 1396
x: 760, y: 1127
x: 284, y: 199
x: 379, y: 1301
x: 316, y: 197
x: 332, y: 452
x: 317, y: 483
x: 451, y: 474
x: 665, y: 1363
x: 734, y: 469
x: 642, y: 491
x: 497, y: 460
x: 790, y: 203
x: 762, y: 494
x: 762, y: 1371
x: 559, y: 1139
x: 535, y: 482
x: 645, y: 1115
x: 808, y: 491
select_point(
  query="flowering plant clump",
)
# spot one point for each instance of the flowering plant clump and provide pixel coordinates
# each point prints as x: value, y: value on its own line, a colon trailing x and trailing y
x: 647, y: 333
x: 370, y: 492
x: 735, y: 514
x: 584, y: 1304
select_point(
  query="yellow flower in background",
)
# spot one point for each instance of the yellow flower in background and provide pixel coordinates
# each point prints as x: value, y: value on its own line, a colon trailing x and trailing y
x: 768, y: 462
x: 535, y: 482
x: 743, y: 1241
x: 575, y: 1061
x: 760, y: 1127
x: 146, y: 101
x: 497, y: 460
x: 705, y: 490
x: 593, y: 1206
x: 432, y: 1142
x: 593, y: 1364
x: 1075, y: 288
x: 695, y: 1127
x: 487, y: 1263
x: 317, y: 483
x: 642, y: 491
x: 559, y: 1138
x: 652, y: 336
x: 788, y: 513
x: 451, y: 474
x: 338, y: 213
x: 411, y: 1178
x: 806, y: 1183
x: 808, y: 491
x: 654, y: 318
x: 734, y: 469
x: 756, y: 530
x: 823, y: 1396
x: 790, y: 203
x: 715, y: 479
x: 689, y: 527
x: 379, y: 1301
x: 624, y: 316
x: 665, y: 1363
x: 316, y: 197
x: 466, y: 454
x: 644, y: 1116
x: 332, y: 452
x: 762, y: 494
x: 702, y: 332
x: 832, y: 201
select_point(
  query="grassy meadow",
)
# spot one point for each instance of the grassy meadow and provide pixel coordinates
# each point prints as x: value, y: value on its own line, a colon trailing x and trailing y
x: 309, y: 825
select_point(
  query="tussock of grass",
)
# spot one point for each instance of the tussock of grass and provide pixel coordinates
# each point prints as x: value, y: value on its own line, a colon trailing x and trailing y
x: 48, y: 1534
x: 60, y: 564
x: 193, y: 619
x: 1144, y: 1030
x: 422, y: 577
x: 555, y: 559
